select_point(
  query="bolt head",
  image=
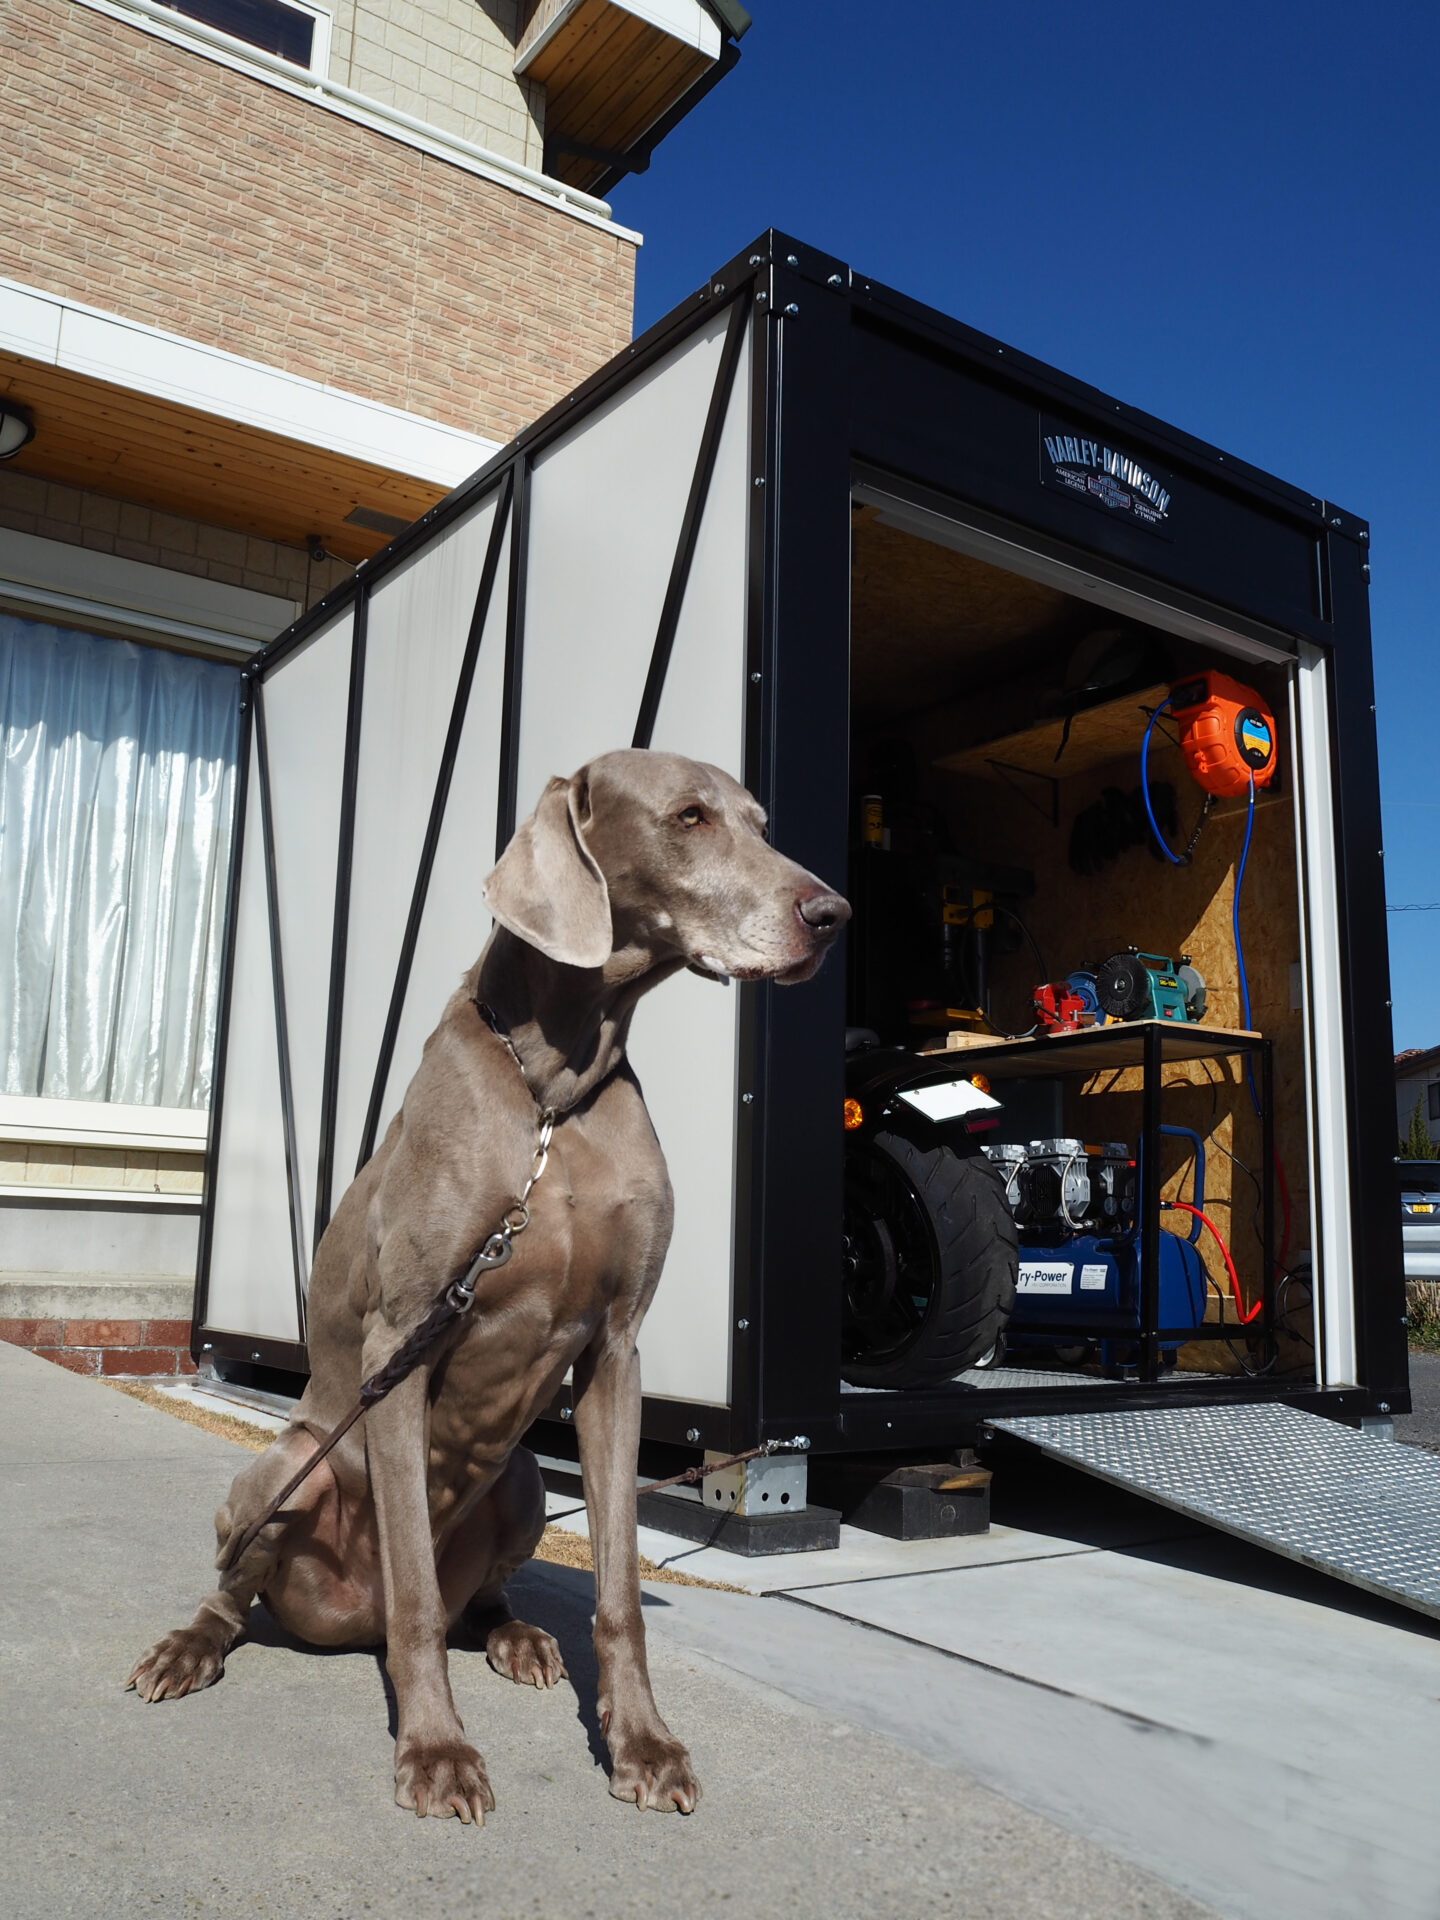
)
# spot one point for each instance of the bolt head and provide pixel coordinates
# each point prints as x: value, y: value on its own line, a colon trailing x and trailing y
x: 791, y: 261
x: 692, y: 1434
x: 746, y: 1099
x: 792, y: 308
x: 565, y: 1413
x: 1382, y: 1406
x: 761, y: 298
x: 834, y: 281
x: 742, y: 1325
x: 754, y: 676
x: 719, y: 287
x: 1336, y: 521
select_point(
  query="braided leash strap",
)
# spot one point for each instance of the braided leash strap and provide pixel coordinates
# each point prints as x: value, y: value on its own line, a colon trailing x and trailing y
x: 450, y: 1305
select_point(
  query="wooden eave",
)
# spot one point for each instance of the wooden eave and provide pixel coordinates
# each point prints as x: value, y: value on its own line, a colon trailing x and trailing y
x: 159, y: 454
x: 608, y: 76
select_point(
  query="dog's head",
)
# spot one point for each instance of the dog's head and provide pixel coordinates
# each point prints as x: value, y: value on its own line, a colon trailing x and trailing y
x: 651, y: 851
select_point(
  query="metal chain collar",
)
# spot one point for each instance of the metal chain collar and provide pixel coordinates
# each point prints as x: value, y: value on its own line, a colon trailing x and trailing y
x: 498, y: 1248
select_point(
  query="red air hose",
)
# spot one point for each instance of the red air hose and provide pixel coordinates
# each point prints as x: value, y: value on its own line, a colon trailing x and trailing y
x: 1183, y: 1206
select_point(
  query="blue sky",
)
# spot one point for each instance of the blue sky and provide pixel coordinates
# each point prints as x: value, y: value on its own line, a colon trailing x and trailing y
x: 1226, y: 215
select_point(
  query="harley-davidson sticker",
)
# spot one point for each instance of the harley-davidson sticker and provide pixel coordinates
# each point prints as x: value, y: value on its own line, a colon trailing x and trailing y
x: 1090, y: 469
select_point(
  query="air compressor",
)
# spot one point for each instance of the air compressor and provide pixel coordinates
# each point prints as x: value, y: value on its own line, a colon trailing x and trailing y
x: 1080, y: 1260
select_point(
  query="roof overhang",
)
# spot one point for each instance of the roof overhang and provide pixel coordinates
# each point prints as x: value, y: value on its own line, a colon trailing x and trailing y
x: 128, y: 410
x: 618, y: 74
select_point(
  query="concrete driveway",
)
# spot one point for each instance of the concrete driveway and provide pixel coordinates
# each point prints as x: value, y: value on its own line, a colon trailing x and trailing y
x: 1094, y: 1710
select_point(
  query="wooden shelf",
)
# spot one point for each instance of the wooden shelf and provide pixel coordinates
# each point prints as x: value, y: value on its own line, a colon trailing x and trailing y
x: 1101, y: 1049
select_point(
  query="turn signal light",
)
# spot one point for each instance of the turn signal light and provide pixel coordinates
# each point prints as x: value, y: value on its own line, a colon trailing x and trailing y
x: 854, y: 1115
x: 980, y: 1083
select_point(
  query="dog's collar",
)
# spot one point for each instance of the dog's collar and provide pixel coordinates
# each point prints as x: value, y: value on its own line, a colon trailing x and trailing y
x: 488, y: 1015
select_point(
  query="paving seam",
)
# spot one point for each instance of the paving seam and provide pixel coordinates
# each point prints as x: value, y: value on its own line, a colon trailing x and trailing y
x: 975, y: 1566
x: 1008, y: 1673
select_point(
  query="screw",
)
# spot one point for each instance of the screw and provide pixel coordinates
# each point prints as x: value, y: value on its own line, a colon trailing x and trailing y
x: 745, y: 1100
x: 719, y: 287
x: 255, y: 1356
x: 761, y: 298
x: 692, y: 1434
x: 757, y: 259
x: 792, y: 308
x: 834, y: 281
x: 1336, y: 521
x: 1382, y: 1406
x: 759, y: 479
x: 791, y: 261
x: 742, y: 1324
x: 999, y: 349
x: 209, y: 1347
x: 754, y: 676
x: 566, y: 1412
x: 1365, y: 570
x: 1363, y: 536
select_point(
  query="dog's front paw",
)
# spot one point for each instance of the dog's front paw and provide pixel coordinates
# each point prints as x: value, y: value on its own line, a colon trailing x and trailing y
x: 181, y: 1663
x: 524, y: 1654
x: 654, y: 1771
x: 443, y: 1778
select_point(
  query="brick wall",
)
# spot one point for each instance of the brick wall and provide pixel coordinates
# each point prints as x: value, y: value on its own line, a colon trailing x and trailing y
x: 123, y: 1348
x: 80, y: 518
x: 152, y: 182
x: 450, y: 62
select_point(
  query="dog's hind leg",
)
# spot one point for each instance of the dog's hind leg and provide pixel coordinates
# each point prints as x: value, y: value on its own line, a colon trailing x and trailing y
x: 494, y: 1543
x: 194, y: 1656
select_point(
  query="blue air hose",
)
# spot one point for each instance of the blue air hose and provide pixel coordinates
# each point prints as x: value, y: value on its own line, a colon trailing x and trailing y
x: 1235, y: 929
x: 1160, y: 841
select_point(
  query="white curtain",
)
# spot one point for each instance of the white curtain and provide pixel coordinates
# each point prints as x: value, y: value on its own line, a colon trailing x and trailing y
x: 117, y: 788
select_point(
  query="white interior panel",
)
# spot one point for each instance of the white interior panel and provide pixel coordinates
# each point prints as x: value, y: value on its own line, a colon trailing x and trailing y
x: 252, y: 1271
x: 605, y: 511
x: 306, y: 697
x: 1329, y: 1105
x: 419, y: 619
x: 683, y: 1042
x: 456, y: 924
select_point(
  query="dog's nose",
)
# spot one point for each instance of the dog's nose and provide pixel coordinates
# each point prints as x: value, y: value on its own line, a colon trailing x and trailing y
x: 823, y: 912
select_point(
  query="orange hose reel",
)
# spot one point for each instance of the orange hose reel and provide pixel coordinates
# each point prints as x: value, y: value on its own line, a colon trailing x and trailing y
x: 1227, y: 733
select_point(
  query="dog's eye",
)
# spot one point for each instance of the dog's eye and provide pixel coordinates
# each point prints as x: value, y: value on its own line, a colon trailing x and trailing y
x: 691, y: 817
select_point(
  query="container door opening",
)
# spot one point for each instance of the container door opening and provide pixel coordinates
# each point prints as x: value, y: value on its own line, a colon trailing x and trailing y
x: 1052, y: 803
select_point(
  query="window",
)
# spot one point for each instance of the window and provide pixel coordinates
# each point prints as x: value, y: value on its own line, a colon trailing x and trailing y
x: 287, y: 32
x: 117, y: 790
x: 1432, y: 1093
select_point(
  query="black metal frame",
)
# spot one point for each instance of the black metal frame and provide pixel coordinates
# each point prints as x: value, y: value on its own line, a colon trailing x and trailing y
x: 850, y: 378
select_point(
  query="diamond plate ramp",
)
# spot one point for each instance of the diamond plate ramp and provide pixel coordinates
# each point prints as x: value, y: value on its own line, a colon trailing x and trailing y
x: 1364, y: 1510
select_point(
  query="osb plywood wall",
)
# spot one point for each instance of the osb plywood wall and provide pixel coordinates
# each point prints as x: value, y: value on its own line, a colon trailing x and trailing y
x: 1140, y: 901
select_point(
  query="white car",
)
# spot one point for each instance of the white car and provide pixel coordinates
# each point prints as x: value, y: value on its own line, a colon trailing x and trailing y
x: 1420, y: 1217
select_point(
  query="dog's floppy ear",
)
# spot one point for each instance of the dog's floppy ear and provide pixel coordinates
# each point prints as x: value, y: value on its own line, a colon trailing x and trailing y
x: 547, y: 889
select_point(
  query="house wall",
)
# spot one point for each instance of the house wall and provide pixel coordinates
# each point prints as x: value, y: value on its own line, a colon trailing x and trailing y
x: 1416, y: 1086
x: 446, y: 61
x: 168, y: 188
x: 106, y: 524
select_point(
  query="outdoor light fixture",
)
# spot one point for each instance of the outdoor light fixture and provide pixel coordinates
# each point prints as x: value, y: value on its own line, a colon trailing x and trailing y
x: 17, y: 429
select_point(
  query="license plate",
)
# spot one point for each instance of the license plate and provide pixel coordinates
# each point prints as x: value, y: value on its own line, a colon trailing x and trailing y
x: 1423, y: 1206
x: 951, y: 1100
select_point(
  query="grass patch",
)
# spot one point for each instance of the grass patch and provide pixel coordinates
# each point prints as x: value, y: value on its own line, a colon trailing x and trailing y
x: 1422, y: 1308
x: 223, y: 1424
x: 573, y: 1550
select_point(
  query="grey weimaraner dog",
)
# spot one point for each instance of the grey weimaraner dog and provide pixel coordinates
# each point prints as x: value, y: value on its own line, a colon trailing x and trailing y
x: 641, y: 864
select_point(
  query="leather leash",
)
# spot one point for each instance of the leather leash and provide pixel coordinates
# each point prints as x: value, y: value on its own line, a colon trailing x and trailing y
x: 451, y: 1304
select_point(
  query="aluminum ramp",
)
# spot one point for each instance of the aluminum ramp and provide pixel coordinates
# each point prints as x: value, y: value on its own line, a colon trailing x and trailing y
x: 1364, y: 1510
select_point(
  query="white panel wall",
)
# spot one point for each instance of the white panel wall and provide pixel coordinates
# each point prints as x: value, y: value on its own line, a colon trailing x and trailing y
x: 1330, y: 1221
x: 252, y: 1272
x: 605, y: 510
x: 418, y: 623
x: 683, y: 1042
x: 456, y: 924
x: 305, y: 707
